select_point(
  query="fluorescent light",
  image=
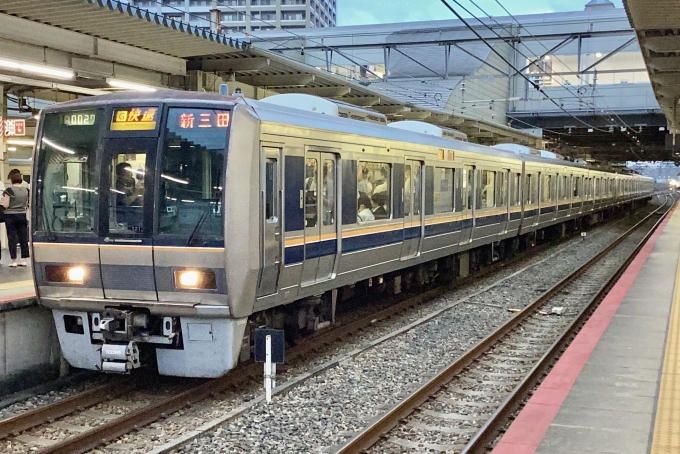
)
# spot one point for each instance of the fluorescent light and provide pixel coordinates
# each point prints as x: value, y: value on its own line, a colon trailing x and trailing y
x: 598, y: 55
x: 57, y: 147
x: 137, y: 172
x: 36, y: 69
x: 20, y: 142
x: 12, y: 149
x: 116, y: 83
x: 176, y: 180
x: 75, y: 188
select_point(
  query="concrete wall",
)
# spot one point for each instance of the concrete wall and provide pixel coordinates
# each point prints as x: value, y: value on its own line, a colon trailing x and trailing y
x: 29, y: 348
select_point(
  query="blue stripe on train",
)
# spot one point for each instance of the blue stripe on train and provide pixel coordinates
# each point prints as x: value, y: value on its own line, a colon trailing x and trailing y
x: 545, y: 210
x: 563, y: 207
x: 516, y: 216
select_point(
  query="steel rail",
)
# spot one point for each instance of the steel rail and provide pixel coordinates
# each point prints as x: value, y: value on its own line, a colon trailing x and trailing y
x: 491, y: 428
x: 136, y: 419
x: 61, y: 408
x: 371, y: 434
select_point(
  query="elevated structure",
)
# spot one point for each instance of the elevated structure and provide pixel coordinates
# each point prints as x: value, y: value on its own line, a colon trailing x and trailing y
x: 96, y: 44
x: 595, y: 99
x: 657, y: 25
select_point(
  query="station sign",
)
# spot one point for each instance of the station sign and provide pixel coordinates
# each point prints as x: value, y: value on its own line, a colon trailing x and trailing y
x: 12, y: 127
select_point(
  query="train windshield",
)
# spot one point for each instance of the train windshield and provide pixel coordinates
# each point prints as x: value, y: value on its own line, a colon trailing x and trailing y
x: 66, y: 172
x: 101, y: 177
x: 192, y: 169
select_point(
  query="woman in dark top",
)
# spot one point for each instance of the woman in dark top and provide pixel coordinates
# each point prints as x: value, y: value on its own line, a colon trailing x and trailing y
x: 15, y: 201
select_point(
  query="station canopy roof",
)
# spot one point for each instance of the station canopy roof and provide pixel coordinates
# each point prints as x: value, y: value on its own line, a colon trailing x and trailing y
x: 657, y: 24
x: 203, y: 50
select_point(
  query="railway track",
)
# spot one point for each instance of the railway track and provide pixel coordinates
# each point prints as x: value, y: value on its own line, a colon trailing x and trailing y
x: 99, y: 416
x: 463, y: 408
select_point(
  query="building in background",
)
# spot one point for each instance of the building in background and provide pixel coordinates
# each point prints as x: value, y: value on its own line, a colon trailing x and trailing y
x: 247, y: 16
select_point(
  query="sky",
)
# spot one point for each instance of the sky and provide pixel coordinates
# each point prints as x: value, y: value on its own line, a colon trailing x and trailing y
x: 361, y: 12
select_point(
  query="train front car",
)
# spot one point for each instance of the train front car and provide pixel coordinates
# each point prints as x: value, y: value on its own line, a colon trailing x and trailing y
x: 129, y: 217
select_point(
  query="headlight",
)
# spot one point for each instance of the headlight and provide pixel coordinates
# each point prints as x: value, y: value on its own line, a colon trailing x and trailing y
x: 65, y: 274
x: 195, y: 279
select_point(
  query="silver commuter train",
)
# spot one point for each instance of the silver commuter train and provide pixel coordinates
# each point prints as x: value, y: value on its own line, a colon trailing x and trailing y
x: 168, y: 225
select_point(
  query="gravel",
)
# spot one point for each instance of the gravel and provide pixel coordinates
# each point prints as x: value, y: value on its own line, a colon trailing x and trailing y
x: 328, y: 408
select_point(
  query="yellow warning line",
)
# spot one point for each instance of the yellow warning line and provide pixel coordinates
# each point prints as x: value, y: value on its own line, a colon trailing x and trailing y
x: 667, y: 423
x: 17, y: 284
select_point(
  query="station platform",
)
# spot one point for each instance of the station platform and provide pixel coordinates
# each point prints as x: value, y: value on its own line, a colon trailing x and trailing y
x: 16, y: 284
x: 616, y: 389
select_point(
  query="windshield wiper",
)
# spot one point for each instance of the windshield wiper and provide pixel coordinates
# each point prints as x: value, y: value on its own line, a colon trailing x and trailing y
x: 204, y: 215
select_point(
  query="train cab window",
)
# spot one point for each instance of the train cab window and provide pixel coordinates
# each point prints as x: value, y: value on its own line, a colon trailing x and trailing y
x: 311, y: 194
x: 66, y: 185
x: 443, y: 190
x: 192, y: 176
x: 374, y: 190
x: 487, y: 190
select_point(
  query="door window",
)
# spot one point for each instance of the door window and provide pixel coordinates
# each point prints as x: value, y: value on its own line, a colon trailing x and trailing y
x: 329, y: 192
x: 311, y: 169
x: 126, y: 200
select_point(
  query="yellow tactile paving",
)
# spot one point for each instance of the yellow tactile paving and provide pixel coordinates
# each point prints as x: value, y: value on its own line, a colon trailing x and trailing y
x: 17, y: 284
x: 667, y: 423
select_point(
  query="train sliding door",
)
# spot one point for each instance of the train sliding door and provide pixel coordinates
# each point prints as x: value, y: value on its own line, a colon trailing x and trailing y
x: 413, y: 208
x: 468, y: 200
x: 320, y: 203
x: 270, y: 239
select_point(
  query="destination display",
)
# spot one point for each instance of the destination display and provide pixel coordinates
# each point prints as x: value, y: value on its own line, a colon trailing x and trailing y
x: 203, y: 119
x: 134, y: 119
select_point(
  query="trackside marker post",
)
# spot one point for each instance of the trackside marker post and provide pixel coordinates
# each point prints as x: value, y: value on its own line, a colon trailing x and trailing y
x: 268, y: 369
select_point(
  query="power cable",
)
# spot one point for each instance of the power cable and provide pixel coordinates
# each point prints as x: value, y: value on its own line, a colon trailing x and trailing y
x: 399, y: 93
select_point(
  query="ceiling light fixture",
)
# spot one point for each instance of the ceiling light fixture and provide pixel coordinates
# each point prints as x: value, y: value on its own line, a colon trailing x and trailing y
x: 125, y: 85
x: 37, y: 69
x: 20, y: 142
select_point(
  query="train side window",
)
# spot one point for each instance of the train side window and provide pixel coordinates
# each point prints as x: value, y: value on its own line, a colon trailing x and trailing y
x: 565, y: 187
x: 329, y: 192
x: 528, y: 189
x: 575, y: 181
x: 501, y: 188
x: 516, y: 189
x: 443, y: 190
x: 374, y: 190
x: 487, y: 190
x: 546, y: 192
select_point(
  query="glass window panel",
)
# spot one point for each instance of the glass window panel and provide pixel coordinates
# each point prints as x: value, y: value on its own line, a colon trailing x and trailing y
x: 374, y: 191
x: 126, y: 202
x: 270, y: 201
x: 67, y: 194
x: 488, y: 193
x: 192, y: 168
x: 443, y: 190
x: 311, y: 170
x: 417, y: 188
x: 329, y: 192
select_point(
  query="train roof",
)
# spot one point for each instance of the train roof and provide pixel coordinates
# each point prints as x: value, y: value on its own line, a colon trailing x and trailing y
x: 289, y: 115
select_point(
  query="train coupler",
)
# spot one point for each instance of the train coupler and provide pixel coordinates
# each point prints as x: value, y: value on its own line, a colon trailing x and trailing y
x: 120, y: 358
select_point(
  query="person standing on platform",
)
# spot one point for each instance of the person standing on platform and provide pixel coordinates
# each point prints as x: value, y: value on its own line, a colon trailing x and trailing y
x: 15, y: 200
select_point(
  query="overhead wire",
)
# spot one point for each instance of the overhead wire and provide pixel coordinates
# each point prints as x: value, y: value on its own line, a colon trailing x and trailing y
x: 577, y: 73
x: 403, y: 92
